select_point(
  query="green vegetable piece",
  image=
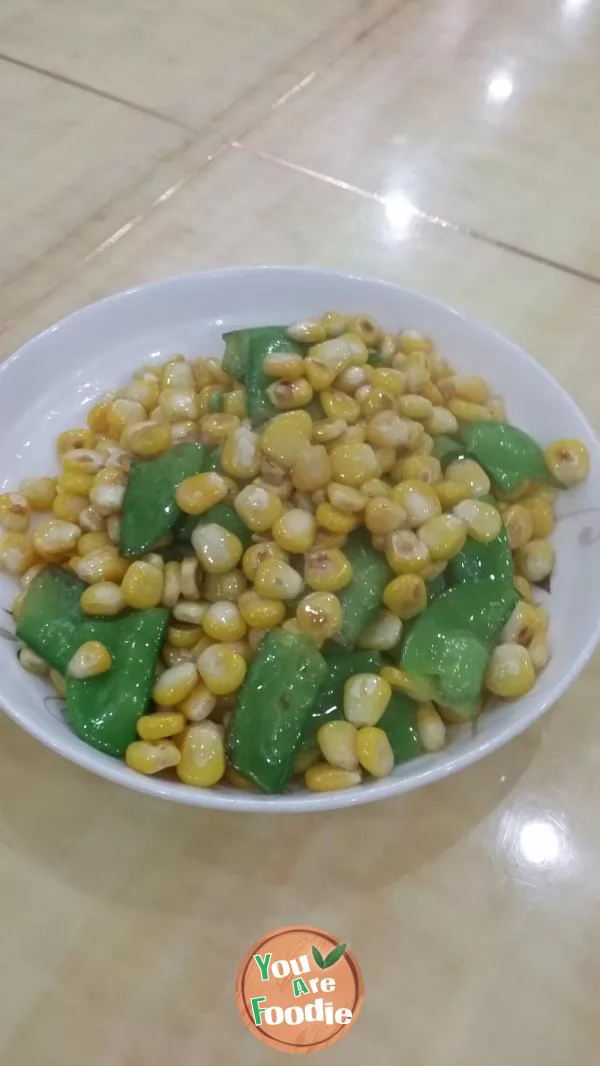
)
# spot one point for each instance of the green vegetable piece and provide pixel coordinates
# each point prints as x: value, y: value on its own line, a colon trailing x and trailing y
x: 50, y: 616
x: 273, y: 708
x: 361, y: 599
x: 149, y: 507
x: 507, y: 454
x: 482, y: 562
x: 222, y: 515
x: 103, y: 710
x: 328, y: 705
x: 215, y: 402
x: 399, y: 725
x: 375, y: 358
x: 213, y: 460
x: 235, y: 358
x: 436, y: 586
x: 248, y: 355
x: 446, y: 449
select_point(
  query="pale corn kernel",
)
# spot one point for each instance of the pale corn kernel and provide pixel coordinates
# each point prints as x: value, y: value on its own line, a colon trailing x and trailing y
x: 29, y: 575
x: 32, y: 662
x: 175, y: 684
x: 222, y: 669
x: 373, y: 401
x: 295, y: 531
x: 387, y: 379
x: 418, y: 500
x: 337, y: 522
x: 91, y: 521
x: 190, y: 611
x: 311, y: 469
x: 518, y: 521
x: 338, y: 353
x: 202, y: 762
x: 441, y: 421
x: 223, y: 620
x: 277, y: 580
x: 190, y: 578
x: 234, y: 403
x: 114, y: 474
x: 91, y: 659
x: 353, y: 462
x: 113, y: 528
x: 365, y: 328
x: 449, y: 493
x: 375, y: 487
x: 523, y: 588
x: 150, y: 757
x: 283, y: 490
x: 257, y: 508
x: 387, y: 348
x: 416, y: 376
x: 539, y: 651
x: 160, y: 725
x: 101, y: 565
x: 228, y: 586
x: 177, y: 405
x: 174, y: 656
x: 382, y: 633
x: 288, y: 395
x: 83, y: 461
x: 374, y: 751
x: 568, y: 461
x: 337, y: 741
x: 177, y: 374
x: 319, y: 615
x: 143, y: 390
x: 444, y: 536
x: 522, y: 625
x: 387, y: 429
x: 420, y: 468
x: 416, y: 407
x: 240, y: 456
x: 327, y: 570
x: 52, y: 538
x: 184, y: 636
x: 483, y: 520
x: 39, y: 492
x: 104, y: 599
x: 107, y: 499
x: 17, y: 605
x: 284, y: 365
x: 260, y: 612
x: 406, y: 595
x: 412, y: 341
x: 149, y: 438
x: 471, y: 474
x: 338, y: 404
x: 171, y: 583
x: 431, y: 728
x: 352, y: 378
x: 308, y: 331
x: 469, y: 412
x: 122, y: 413
x: 217, y: 549
x: 405, y: 553
x: 459, y: 386
x: 345, y: 498
x: 257, y: 554
x: 535, y: 560
x: 366, y: 697
x: 59, y: 682
x: 542, y: 515
x: 334, y: 323
x: 69, y: 508
x: 326, y: 430
x: 142, y: 586
x: 183, y: 432
x: 74, y: 438
x: 321, y: 777
x: 318, y: 374
x: 431, y: 392
x: 215, y: 428
x: 384, y: 515
x: 356, y: 434
x: 510, y: 672
x: 14, y: 512
x: 200, y: 703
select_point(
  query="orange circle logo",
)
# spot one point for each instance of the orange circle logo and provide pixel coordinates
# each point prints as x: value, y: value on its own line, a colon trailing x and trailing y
x: 299, y: 989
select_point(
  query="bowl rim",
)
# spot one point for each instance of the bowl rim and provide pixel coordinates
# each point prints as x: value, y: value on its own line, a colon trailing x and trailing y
x: 430, y: 767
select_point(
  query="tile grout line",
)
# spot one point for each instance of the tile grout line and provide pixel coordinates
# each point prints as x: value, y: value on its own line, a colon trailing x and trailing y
x: 423, y: 216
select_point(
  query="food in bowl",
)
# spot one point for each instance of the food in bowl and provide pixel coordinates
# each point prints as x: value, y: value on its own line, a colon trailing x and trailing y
x: 308, y: 560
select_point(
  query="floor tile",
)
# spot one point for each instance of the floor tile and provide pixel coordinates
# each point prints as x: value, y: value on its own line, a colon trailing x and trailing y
x: 479, y: 112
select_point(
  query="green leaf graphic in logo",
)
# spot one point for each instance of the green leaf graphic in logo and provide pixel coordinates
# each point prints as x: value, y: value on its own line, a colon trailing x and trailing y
x: 316, y: 954
x: 334, y: 955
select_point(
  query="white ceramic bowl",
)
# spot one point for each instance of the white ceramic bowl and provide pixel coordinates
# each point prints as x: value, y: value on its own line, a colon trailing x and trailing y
x: 48, y: 385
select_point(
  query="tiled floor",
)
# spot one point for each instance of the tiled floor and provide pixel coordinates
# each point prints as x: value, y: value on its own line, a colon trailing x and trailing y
x: 449, y: 145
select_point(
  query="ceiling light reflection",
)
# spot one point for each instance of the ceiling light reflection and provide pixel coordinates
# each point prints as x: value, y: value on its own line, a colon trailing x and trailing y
x: 400, y: 214
x: 540, y: 843
x: 573, y: 7
x: 500, y: 87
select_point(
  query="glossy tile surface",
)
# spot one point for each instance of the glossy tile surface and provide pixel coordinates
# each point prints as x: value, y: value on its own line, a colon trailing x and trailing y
x: 471, y: 905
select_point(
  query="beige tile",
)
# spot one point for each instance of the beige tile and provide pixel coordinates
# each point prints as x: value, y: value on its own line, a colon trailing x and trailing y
x: 191, y: 59
x: 484, y: 113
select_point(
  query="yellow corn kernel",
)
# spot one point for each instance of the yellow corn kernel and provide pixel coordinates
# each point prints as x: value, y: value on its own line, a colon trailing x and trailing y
x: 39, y: 492
x: 277, y: 580
x: 472, y: 389
x: 257, y: 508
x: 353, y: 462
x: 32, y: 662
x: 441, y: 420
x: 106, y: 498
x: 93, y: 542
x: 308, y: 331
x: 52, y: 538
x: 284, y: 365
x: 535, y: 560
x: 405, y: 552
x: 327, y: 570
x: 471, y: 474
x: 418, y: 500
x: 288, y: 395
x: 190, y: 578
x: 352, y: 378
x: 295, y: 530
x: 387, y: 379
x: 202, y: 762
x: 542, y: 515
x: 112, y: 475
x: 568, y: 461
x: 198, y: 493
x: 149, y: 438
x: 215, y: 428
x: 223, y: 620
x: 365, y: 328
x: 338, y: 404
x: 375, y: 487
x: 142, y: 586
x: 449, y: 493
x: 91, y: 521
x: 228, y: 586
x: 29, y: 575
x: 406, y: 595
x: 217, y: 549
x: 469, y: 412
x: 90, y: 660
x: 261, y: 612
x: 384, y: 515
x: 175, y: 405
x: 443, y: 536
x: 523, y: 624
x: 190, y: 612
x: 539, y: 651
x: 69, y: 508
x: 321, y: 777
x: 175, y: 684
x: 335, y: 521
x: 200, y: 703
x: 431, y: 728
x: 345, y: 498
x: 144, y: 390
x: 483, y: 520
x: 240, y: 456
x: 173, y: 656
x: 104, y: 599
x: 171, y: 583
x: 326, y: 430
x: 411, y: 341
x: 285, y: 436
x: 159, y: 725
x: 102, y: 565
x: 234, y: 403
x: 59, y: 682
x: 150, y: 757
x: 97, y: 417
x: 319, y: 375
x: 518, y: 520
x: 374, y: 751
x: 75, y: 483
x: 74, y: 438
x: 177, y: 374
x: 337, y: 741
x: 366, y: 697
x: 257, y: 554
x: 431, y: 392
x: 420, y: 468
x: 319, y: 615
x: 222, y: 669
x: 510, y: 672
x: 416, y: 407
x: 184, y: 635
x: 374, y: 402
x: 523, y: 588
x: 312, y: 469
x: 382, y: 633
x: 17, y: 604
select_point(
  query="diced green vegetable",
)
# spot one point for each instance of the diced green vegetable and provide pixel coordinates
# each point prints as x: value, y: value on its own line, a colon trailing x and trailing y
x: 103, y: 710
x: 436, y: 586
x: 361, y: 599
x: 51, y: 616
x: 398, y: 723
x: 215, y: 403
x: 507, y: 454
x: 273, y: 709
x: 482, y: 562
x: 446, y: 449
x: 235, y: 357
x: 246, y: 350
x: 149, y: 507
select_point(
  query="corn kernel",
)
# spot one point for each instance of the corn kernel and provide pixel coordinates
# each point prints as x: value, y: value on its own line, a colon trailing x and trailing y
x: 150, y: 757
x: 471, y: 474
x: 93, y: 542
x: 75, y: 483
x: 295, y: 530
x: 535, y: 560
x: 431, y: 728
x: 258, y: 508
x: 198, y: 493
x: 202, y: 762
x: 261, y: 612
x: 327, y: 570
x: 312, y: 469
x: 159, y: 725
x: 374, y: 751
x: 14, y: 512
x: 483, y: 520
x: 69, y: 508
x: 240, y: 456
x: 39, y: 492
x: 319, y: 615
x: 352, y: 378
x: 234, y: 403
x: 257, y: 554
x: 449, y: 493
x: 106, y: 498
x: 518, y: 520
x: 176, y: 405
x: 405, y: 552
x: 383, y: 515
x: 222, y: 669
x: 59, y: 682
x: 338, y: 404
x: 416, y: 407
x: 318, y: 374
x: 101, y: 565
x: 288, y: 395
x: 200, y: 703
x: 568, y: 461
x: 366, y: 697
x: 337, y: 741
x: 217, y: 549
x: 523, y: 624
x: 171, y: 583
x: 228, y: 586
x: 91, y: 521
x: 52, y: 538
x: 224, y: 621
x: 335, y: 521
x: 420, y: 468
x: 32, y: 662
x: 326, y: 430
x: 104, y: 599
x: 510, y: 672
x: 444, y: 536
x: 74, y: 438
x: 185, y: 635
x: 418, y: 500
x: 177, y: 374
x: 175, y: 684
x: 29, y: 575
x: 539, y: 651
x: 382, y: 633
x: 277, y: 580
x: 472, y: 389
x: 142, y: 586
x: 542, y: 516
x: 97, y: 417
x: 321, y: 777
x: 406, y: 595
x: 90, y: 660
x: 345, y: 498
x: 144, y: 390
x: 352, y: 463
x: 441, y: 421
x: 149, y: 438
